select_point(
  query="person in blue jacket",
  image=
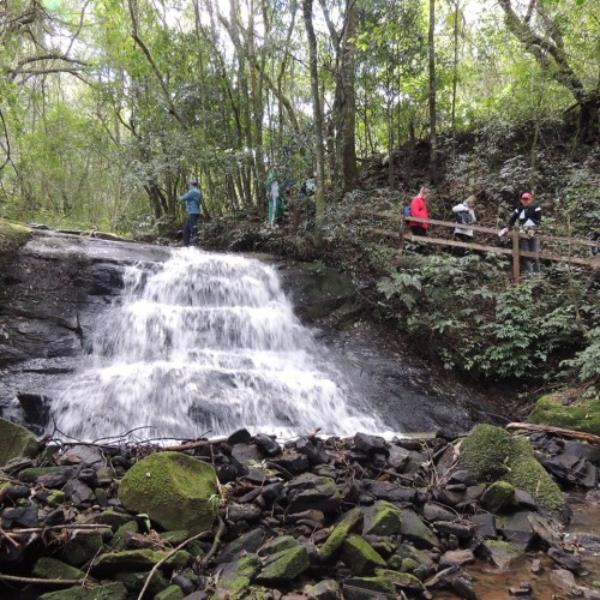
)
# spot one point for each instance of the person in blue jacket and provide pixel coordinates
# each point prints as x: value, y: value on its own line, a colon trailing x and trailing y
x: 193, y: 204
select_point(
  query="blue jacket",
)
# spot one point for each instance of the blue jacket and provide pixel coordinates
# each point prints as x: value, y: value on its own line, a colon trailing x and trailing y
x: 193, y: 201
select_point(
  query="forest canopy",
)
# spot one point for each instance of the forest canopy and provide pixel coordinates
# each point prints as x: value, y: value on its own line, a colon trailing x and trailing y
x: 107, y: 107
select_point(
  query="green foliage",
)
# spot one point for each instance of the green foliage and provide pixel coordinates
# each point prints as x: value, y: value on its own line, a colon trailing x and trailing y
x: 477, y: 323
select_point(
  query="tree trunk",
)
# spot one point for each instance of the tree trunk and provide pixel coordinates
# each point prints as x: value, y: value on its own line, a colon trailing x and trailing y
x: 307, y: 6
x: 432, y: 95
x: 346, y: 143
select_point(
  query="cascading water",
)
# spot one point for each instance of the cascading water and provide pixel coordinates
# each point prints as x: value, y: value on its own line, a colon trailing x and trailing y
x: 205, y: 344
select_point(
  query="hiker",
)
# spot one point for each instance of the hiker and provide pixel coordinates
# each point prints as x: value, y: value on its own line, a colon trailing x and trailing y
x: 418, y: 208
x: 274, y: 199
x: 529, y: 216
x: 464, y: 214
x: 193, y: 203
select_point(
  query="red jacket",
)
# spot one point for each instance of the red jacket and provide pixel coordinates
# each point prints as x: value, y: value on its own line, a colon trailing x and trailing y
x: 418, y: 208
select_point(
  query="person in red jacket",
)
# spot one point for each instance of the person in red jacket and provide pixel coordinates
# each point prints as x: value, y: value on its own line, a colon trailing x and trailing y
x: 418, y: 208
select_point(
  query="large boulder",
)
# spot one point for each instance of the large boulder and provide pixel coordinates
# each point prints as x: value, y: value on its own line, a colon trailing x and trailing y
x: 174, y: 490
x: 491, y: 453
x: 15, y: 441
x: 579, y: 414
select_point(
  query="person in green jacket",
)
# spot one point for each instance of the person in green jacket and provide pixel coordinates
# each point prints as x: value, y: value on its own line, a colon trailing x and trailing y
x: 274, y: 199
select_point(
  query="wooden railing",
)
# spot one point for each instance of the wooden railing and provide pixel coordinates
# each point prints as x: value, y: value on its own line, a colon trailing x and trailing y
x: 403, y: 234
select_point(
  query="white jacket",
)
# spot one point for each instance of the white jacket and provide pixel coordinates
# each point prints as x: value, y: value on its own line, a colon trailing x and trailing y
x: 460, y: 208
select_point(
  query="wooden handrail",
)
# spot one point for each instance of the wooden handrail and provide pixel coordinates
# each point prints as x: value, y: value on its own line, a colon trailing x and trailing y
x: 481, y: 229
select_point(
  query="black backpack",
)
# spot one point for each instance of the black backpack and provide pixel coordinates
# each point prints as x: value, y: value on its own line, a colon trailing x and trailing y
x: 463, y: 217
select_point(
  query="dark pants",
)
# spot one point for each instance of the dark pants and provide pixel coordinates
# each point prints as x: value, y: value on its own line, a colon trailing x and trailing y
x: 416, y: 230
x: 190, y: 231
x: 531, y: 265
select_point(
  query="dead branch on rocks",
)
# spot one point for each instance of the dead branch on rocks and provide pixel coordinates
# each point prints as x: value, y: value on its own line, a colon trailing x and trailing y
x: 41, y: 580
x: 83, y: 526
x: 215, y: 544
x: 570, y: 433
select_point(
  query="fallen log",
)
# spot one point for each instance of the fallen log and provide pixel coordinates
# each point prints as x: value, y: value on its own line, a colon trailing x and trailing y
x: 569, y: 433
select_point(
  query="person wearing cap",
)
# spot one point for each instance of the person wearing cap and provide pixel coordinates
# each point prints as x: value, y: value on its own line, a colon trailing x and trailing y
x: 418, y: 208
x: 529, y: 216
x: 193, y: 203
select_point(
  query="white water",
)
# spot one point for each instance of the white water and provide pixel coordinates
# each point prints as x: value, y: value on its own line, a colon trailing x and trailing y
x: 205, y: 344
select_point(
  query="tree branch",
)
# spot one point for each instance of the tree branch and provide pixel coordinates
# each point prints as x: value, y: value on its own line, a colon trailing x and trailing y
x: 7, y: 149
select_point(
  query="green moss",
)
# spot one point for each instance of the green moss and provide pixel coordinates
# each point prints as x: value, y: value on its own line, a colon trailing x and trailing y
x: 487, y: 451
x: 127, y: 560
x: 285, y: 566
x: 408, y: 558
x: 383, y: 518
x: 404, y: 581
x: 498, y: 496
x: 173, y: 592
x: 136, y: 580
x: 175, y: 490
x: 55, y: 498
x: 349, y: 521
x: 16, y: 441
x: 237, y: 577
x: 50, y: 568
x: 488, y: 446
x: 360, y: 557
x: 120, y: 537
x: 112, y: 518
x: 529, y: 475
x: 581, y: 415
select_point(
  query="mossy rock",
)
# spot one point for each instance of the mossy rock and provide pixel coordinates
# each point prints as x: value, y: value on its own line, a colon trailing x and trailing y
x: 12, y: 237
x: 581, y: 415
x: 51, y: 568
x: 173, y: 592
x: 414, y: 529
x: 120, y: 538
x: 487, y: 451
x: 491, y: 453
x: 237, y: 576
x: 498, y: 497
x: 136, y: 580
x: 383, y: 518
x: 528, y: 474
x: 350, y: 521
x: 81, y: 548
x: 359, y: 556
x: 112, y: 518
x: 137, y: 560
x: 173, y: 489
x: 404, y: 581
x: 278, y: 544
x: 110, y: 591
x: 408, y: 558
x: 55, y: 498
x: 16, y: 441
x: 285, y: 566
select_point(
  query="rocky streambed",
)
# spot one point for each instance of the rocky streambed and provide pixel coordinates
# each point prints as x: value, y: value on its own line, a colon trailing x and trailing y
x: 246, y: 517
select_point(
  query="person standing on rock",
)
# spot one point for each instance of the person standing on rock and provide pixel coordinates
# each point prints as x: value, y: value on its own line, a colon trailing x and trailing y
x: 193, y: 204
x: 529, y: 216
x: 418, y: 208
x: 274, y: 199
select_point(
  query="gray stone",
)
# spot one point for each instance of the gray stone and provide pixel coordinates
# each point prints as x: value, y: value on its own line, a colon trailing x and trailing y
x: 328, y: 589
x: 416, y: 531
x: 456, y: 557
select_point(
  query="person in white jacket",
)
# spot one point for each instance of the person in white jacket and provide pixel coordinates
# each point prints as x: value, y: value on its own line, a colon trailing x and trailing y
x: 464, y: 214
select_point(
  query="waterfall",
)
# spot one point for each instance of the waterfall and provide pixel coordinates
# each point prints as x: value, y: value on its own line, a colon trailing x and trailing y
x: 205, y: 344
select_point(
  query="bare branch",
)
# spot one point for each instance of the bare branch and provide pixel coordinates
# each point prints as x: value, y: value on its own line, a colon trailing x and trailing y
x: 7, y: 149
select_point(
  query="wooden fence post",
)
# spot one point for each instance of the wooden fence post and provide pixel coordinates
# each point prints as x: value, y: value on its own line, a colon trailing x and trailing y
x: 515, y: 255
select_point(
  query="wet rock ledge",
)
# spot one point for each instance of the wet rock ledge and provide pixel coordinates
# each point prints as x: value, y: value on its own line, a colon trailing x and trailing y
x: 248, y: 518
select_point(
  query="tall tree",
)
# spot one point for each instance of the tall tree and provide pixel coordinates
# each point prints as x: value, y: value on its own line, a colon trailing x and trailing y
x: 433, y: 158
x: 307, y: 9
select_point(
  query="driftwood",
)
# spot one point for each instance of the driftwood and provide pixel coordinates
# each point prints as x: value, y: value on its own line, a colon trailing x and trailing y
x: 569, y: 433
